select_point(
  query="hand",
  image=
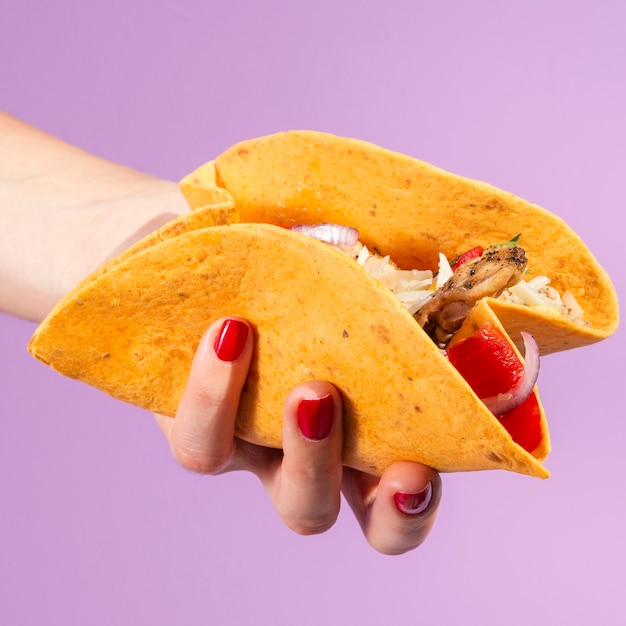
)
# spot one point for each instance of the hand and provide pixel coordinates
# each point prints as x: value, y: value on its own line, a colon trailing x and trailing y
x: 306, y: 478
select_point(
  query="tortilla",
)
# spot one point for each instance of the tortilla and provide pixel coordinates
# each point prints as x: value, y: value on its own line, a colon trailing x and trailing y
x: 132, y: 332
x: 413, y: 211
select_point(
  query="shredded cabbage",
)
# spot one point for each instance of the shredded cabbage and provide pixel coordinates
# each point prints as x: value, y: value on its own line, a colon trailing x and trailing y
x: 414, y: 287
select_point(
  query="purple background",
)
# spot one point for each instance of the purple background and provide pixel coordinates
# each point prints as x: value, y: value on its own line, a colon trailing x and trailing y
x: 98, y: 524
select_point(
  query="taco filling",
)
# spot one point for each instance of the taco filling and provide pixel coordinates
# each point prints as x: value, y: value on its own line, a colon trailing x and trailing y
x: 440, y: 301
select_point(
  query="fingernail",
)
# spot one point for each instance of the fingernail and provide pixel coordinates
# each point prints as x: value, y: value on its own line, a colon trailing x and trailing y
x: 231, y: 340
x: 315, y: 417
x: 414, y: 503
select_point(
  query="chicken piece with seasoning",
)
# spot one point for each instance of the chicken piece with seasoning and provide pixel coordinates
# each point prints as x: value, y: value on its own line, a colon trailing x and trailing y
x: 489, y: 275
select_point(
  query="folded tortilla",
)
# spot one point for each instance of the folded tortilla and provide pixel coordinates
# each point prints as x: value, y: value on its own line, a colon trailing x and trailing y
x: 132, y: 332
x: 132, y: 327
x: 413, y: 211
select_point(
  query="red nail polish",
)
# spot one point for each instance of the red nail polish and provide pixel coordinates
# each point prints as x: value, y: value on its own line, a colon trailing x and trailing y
x: 231, y: 340
x: 315, y: 417
x: 414, y: 503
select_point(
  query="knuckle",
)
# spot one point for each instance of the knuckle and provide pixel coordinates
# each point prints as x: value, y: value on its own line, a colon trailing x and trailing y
x: 200, y: 461
x: 316, y: 475
x: 210, y: 399
x: 310, y: 496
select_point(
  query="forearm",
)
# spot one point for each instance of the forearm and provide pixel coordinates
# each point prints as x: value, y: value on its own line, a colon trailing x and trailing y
x: 63, y: 212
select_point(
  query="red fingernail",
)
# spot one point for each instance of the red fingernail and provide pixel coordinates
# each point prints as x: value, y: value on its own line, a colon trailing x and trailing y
x: 414, y: 503
x: 315, y: 417
x: 231, y: 340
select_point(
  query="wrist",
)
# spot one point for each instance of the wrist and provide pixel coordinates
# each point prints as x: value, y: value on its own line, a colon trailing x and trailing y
x: 127, y: 220
x: 72, y: 242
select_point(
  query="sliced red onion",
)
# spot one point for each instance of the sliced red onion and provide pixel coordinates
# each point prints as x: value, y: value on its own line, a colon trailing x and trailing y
x: 505, y: 402
x: 344, y: 237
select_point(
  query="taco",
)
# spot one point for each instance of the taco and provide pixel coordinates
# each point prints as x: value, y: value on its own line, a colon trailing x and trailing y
x: 131, y: 329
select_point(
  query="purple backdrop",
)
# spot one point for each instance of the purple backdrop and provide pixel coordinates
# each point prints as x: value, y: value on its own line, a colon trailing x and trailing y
x: 98, y: 524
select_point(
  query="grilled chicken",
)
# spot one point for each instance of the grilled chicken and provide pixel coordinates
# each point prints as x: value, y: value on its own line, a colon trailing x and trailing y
x: 489, y: 275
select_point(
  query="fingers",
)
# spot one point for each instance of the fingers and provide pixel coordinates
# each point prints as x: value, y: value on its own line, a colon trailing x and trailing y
x: 306, y: 488
x: 396, y: 512
x: 305, y: 480
x: 201, y: 436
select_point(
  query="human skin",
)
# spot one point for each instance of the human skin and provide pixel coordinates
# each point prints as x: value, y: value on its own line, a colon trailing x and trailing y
x: 63, y: 212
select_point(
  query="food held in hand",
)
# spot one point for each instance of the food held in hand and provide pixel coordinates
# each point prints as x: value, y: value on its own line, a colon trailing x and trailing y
x: 380, y: 322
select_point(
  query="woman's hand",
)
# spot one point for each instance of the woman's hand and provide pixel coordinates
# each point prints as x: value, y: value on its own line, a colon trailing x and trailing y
x: 306, y: 478
x: 63, y: 213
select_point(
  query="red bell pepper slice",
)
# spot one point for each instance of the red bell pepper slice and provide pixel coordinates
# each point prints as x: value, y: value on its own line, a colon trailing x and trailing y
x: 466, y: 256
x: 488, y: 363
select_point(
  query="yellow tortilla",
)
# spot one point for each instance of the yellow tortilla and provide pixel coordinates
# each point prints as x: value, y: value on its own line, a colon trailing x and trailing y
x: 412, y: 210
x: 132, y: 331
